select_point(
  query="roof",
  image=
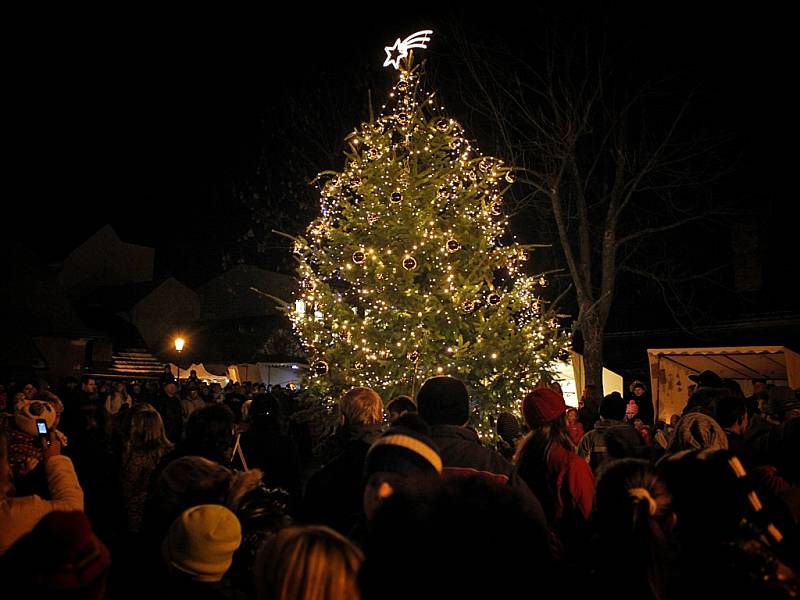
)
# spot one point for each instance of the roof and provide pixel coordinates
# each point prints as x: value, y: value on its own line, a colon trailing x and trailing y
x: 737, y: 362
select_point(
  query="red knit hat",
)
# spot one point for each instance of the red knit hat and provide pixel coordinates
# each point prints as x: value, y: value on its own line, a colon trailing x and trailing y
x: 542, y: 406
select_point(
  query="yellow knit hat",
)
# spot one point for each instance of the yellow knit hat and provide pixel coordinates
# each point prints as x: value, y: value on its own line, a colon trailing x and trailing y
x: 201, y: 542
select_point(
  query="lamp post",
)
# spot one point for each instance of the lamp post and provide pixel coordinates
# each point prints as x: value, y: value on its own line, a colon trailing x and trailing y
x: 179, y: 343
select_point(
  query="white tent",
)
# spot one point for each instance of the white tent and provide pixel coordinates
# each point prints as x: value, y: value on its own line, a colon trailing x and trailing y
x: 571, y: 376
x: 202, y: 373
x: 270, y: 373
x: 670, y: 369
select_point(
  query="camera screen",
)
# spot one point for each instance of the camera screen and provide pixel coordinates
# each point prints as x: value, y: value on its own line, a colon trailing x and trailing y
x: 42, y: 426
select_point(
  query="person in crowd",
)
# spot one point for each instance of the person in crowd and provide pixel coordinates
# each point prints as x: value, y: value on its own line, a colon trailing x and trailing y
x: 403, y: 456
x: 759, y: 393
x: 143, y: 447
x: 611, y: 437
x: 168, y: 405
x: 589, y: 407
x: 191, y: 402
x: 731, y: 414
x: 547, y: 462
x: 574, y: 427
x: 443, y: 403
x: 333, y: 495
x: 465, y: 537
x: 309, y: 562
x: 399, y: 406
x: 640, y: 396
x: 696, y: 431
x: 209, y: 433
x: 509, y: 433
x: 117, y: 400
x: 266, y: 447
x: 60, y: 557
x: 198, y: 551
x: 730, y: 544
x: 634, y: 522
x: 20, y: 514
x: 643, y: 431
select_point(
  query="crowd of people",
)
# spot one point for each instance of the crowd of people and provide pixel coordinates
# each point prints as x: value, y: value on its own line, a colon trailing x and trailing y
x: 161, y: 489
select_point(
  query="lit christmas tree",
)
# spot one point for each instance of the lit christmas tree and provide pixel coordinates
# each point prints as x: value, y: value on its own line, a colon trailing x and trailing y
x: 405, y: 275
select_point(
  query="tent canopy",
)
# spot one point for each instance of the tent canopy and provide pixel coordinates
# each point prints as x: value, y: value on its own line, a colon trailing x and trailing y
x: 670, y: 369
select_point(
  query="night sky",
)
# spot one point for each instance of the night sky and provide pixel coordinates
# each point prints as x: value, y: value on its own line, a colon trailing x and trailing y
x: 151, y: 121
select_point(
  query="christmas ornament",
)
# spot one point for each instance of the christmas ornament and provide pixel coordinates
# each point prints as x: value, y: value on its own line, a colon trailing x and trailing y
x: 373, y: 154
x: 372, y: 218
x: 485, y: 165
x: 403, y: 118
x: 455, y: 143
x: 470, y: 305
x: 320, y: 367
x: 396, y: 197
x: 453, y: 246
x: 497, y: 208
x: 409, y: 263
x: 510, y: 177
x: 413, y: 356
x: 359, y: 365
x: 442, y: 124
x: 355, y: 181
x: 358, y: 257
x: 494, y: 298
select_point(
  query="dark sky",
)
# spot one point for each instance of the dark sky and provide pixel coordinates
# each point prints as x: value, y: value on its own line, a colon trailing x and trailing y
x: 141, y: 119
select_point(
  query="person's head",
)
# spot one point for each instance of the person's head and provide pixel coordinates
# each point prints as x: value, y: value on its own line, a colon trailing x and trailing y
x: 400, y: 457
x: 88, y: 384
x: 146, y: 431
x: 361, y: 406
x: 782, y: 403
x: 572, y: 416
x: 209, y: 432
x: 508, y: 427
x: 638, y: 423
x: 707, y: 379
x: 613, y: 406
x: 673, y: 420
x: 731, y: 413
x: 638, y: 388
x: 695, y: 431
x: 443, y: 400
x: 542, y: 406
x: 200, y: 543
x: 759, y: 385
x: 311, y: 561
x: 60, y: 558
x: 30, y: 390
x: 440, y: 528
x: 399, y: 406
x: 170, y: 388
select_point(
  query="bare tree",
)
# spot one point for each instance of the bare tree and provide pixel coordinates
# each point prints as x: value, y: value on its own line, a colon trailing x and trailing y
x: 612, y: 168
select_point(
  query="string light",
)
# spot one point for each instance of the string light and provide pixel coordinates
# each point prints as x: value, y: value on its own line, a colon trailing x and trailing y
x: 406, y: 260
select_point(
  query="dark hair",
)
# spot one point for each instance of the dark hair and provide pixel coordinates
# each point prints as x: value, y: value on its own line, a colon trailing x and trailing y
x: 613, y: 407
x: 209, y: 433
x: 729, y: 410
x: 633, y: 508
x: 400, y: 404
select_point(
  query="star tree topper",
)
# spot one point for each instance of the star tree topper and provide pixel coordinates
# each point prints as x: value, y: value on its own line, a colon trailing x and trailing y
x: 415, y: 40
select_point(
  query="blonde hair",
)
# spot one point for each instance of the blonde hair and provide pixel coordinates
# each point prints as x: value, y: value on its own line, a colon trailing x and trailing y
x: 308, y: 563
x: 362, y: 406
x: 146, y: 433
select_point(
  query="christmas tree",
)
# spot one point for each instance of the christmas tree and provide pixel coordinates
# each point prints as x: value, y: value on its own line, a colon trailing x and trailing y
x: 409, y: 271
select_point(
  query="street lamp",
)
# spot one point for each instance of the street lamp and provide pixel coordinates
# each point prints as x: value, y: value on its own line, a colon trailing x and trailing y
x: 179, y: 343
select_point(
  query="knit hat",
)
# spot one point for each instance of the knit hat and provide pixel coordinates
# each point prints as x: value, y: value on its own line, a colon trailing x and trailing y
x: 542, y: 406
x: 443, y: 401
x: 60, y: 554
x: 507, y: 426
x: 405, y: 451
x: 780, y: 399
x: 696, y: 431
x: 202, y: 540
